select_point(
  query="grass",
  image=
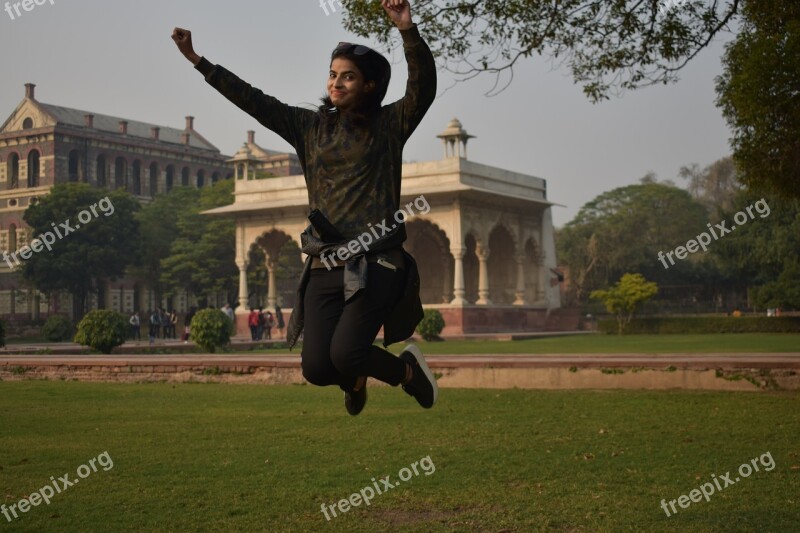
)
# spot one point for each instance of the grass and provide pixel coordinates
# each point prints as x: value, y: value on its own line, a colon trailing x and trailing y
x: 192, y: 457
x: 580, y: 344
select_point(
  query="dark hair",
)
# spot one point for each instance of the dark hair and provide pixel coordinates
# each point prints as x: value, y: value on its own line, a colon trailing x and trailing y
x: 374, y: 67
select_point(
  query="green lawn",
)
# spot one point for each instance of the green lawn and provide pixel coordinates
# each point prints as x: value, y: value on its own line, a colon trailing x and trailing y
x: 581, y: 344
x: 193, y: 457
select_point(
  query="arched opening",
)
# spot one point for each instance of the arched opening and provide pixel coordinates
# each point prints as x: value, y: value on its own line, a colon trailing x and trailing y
x: 170, y: 177
x: 120, y: 173
x: 214, y: 177
x: 136, y: 185
x: 288, y: 267
x: 75, y: 172
x: 153, y: 179
x: 102, y: 180
x: 27, y: 124
x: 13, y: 171
x: 532, y: 268
x: 201, y: 179
x: 33, y: 168
x: 470, y: 269
x: 502, y: 266
x: 431, y: 249
x: 185, y: 176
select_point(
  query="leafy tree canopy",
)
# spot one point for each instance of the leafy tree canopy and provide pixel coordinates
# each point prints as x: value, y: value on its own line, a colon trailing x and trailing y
x: 608, y: 45
x: 98, y: 245
x: 759, y: 93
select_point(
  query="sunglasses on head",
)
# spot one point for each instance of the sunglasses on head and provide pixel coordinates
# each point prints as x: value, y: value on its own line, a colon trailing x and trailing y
x: 347, y: 48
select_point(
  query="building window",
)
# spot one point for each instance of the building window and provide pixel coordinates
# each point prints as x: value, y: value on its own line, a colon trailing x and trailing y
x: 153, y: 179
x: 120, y: 173
x: 13, y: 171
x: 201, y: 179
x: 33, y: 168
x: 12, y: 238
x: 170, y: 177
x: 185, y: 177
x: 101, y: 171
x: 214, y: 177
x: 137, y: 179
x: 12, y: 202
x: 75, y: 170
x: 27, y: 124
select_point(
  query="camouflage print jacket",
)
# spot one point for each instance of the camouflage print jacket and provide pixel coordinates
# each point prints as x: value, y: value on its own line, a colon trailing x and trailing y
x: 352, y: 170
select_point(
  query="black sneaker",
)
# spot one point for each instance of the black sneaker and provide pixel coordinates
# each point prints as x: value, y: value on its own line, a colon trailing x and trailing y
x: 354, y: 401
x: 423, y: 385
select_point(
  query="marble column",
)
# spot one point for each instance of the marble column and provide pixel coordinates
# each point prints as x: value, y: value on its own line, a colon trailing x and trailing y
x: 272, y: 291
x: 458, y: 276
x: 483, y: 276
x: 243, y: 291
x: 520, y: 292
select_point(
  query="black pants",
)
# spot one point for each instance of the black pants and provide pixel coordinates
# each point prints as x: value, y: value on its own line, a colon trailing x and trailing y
x: 337, y: 338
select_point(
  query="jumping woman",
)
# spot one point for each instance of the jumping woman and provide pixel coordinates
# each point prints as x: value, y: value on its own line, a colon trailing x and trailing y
x: 350, y: 149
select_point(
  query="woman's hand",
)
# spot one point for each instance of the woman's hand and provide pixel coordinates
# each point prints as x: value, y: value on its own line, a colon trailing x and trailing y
x: 183, y: 38
x: 399, y: 11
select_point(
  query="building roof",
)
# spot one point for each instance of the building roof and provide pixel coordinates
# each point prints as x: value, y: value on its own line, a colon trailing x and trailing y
x: 110, y: 124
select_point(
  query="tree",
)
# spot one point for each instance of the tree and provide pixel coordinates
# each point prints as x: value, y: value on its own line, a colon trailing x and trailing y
x: 758, y: 93
x: 623, y: 298
x: 715, y: 186
x: 623, y: 230
x: 158, y: 223
x: 202, y: 257
x: 763, y: 254
x: 607, y: 44
x: 85, y: 236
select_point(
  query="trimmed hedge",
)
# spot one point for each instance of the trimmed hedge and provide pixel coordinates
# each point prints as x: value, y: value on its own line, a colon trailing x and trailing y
x: 58, y: 328
x: 705, y: 324
x: 431, y: 325
x: 102, y: 330
x: 211, y: 329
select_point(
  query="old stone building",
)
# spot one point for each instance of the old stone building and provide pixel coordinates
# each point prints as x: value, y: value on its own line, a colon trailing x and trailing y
x: 43, y: 144
x: 482, y: 236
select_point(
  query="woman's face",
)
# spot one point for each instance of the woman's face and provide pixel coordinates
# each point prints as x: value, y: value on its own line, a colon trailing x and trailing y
x: 346, y: 85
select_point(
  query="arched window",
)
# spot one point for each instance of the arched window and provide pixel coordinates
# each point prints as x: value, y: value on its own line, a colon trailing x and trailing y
x: 12, y: 238
x: 170, y: 177
x: 13, y: 171
x: 185, y: 177
x: 120, y: 173
x: 153, y: 179
x: 136, y: 186
x: 75, y: 166
x: 27, y: 124
x: 101, y: 171
x: 214, y: 177
x: 201, y: 179
x: 33, y: 168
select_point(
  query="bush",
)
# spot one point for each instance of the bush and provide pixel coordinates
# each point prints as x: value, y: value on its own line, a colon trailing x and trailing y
x: 211, y: 329
x: 102, y: 330
x: 58, y: 328
x: 705, y: 324
x: 431, y: 325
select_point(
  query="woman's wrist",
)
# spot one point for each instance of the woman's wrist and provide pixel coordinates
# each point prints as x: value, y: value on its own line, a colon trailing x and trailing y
x: 194, y: 58
x: 404, y: 27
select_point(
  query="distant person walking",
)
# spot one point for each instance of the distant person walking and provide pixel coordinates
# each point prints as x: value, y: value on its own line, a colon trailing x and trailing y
x: 279, y: 320
x: 136, y: 332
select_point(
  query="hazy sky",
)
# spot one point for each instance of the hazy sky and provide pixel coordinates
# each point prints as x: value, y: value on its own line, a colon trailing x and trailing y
x: 117, y: 58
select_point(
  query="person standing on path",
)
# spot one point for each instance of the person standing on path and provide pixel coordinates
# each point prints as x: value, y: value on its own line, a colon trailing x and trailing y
x: 350, y: 149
